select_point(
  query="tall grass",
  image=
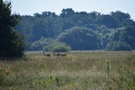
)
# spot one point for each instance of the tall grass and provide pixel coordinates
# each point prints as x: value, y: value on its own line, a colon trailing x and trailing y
x: 95, y: 70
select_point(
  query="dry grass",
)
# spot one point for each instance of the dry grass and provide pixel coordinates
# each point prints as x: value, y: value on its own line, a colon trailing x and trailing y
x: 95, y: 70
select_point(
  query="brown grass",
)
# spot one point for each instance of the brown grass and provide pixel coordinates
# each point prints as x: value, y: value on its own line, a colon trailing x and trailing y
x: 92, y: 70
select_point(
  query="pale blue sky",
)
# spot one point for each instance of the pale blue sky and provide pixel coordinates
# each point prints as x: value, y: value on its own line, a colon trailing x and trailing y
x: 29, y: 7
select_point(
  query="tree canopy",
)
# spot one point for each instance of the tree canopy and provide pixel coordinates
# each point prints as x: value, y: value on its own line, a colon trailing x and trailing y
x: 11, y: 42
x: 80, y: 30
x: 80, y: 38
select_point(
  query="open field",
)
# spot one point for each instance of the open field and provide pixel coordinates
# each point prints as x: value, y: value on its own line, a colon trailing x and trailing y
x: 94, y: 70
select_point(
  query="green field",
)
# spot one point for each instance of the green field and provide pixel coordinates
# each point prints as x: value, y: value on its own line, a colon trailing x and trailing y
x: 88, y: 70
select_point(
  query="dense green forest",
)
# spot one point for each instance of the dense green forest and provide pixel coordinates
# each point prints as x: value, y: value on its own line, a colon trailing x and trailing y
x: 78, y: 30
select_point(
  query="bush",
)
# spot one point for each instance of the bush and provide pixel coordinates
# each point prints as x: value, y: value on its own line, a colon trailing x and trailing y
x: 45, y: 44
x: 61, y: 48
x: 118, y: 46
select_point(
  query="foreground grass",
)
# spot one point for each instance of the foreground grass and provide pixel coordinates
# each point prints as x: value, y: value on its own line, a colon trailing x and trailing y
x: 97, y: 70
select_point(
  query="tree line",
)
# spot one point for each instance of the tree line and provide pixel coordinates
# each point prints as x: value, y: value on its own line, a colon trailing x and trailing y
x: 69, y: 30
x: 78, y: 30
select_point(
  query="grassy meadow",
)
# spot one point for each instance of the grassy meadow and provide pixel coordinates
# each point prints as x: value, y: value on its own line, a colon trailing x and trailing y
x: 90, y: 70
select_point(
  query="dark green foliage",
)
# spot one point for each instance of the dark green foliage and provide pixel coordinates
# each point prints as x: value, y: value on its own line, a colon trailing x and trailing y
x: 130, y: 36
x: 108, y: 21
x: 80, y: 38
x: 121, y: 18
x: 126, y: 34
x: 45, y: 44
x: 61, y: 48
x: 116, y: 26
x: 41, y: 44
x: 118, y: 46
x: 67, y: 13
x: 104, y: 36
x: 11, y: 42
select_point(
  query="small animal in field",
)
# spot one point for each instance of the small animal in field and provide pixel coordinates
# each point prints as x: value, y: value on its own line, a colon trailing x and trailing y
x: 46, y: 54
x: 59, y: 54
x: 56, y: 54
x: 64, y: 54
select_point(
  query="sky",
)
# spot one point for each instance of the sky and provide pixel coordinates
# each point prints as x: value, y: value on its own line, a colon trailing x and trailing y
x: 29, y: 7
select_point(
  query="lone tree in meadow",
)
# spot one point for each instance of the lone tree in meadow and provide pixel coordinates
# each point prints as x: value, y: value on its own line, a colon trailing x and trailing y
x: 11, y: 42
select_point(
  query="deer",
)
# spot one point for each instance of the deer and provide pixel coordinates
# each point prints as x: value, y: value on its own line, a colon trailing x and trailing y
x: 59, y: 54
x: 48, y: 55
x: 56, y: 54
x: 64, y: 54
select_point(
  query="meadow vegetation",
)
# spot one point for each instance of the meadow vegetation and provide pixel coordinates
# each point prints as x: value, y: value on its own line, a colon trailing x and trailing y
x: 92, y: 70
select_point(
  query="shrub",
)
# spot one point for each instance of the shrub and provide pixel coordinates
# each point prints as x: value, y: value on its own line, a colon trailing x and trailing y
x: 61, y: 48
x: 118, y: 46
